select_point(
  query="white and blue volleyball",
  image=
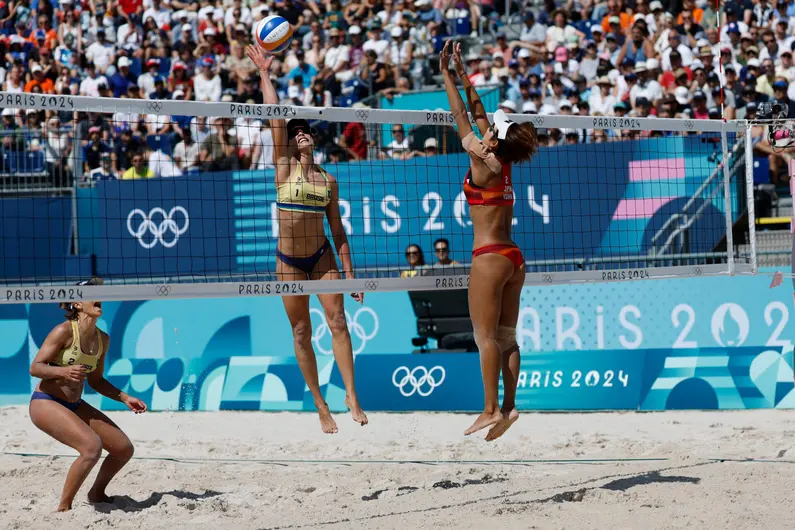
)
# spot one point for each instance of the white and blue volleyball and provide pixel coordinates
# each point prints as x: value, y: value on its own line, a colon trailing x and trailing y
x: 273, y: 34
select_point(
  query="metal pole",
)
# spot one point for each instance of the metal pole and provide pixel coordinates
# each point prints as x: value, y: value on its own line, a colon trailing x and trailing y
x: 727, y: 197
x: 749, y: 191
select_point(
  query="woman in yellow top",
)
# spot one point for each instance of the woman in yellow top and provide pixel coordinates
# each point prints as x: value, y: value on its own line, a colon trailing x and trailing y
x: 306, y: 194
x: 72, y: 353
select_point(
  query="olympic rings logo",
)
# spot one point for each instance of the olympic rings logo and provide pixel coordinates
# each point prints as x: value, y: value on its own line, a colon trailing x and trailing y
x: 154, y: 106
x: 547, y: 278
x: 371, y: 284
x: 419, y: 380
x: 537, y: 121
x: 697, y: 271
x: 363, y: 114
x: 689, y: 124
x: 364, y: 318
x: 158, y: 230
x: 163, y: 290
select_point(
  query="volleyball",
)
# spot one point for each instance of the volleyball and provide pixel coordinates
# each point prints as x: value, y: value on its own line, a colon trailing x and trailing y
x: 273, y: 34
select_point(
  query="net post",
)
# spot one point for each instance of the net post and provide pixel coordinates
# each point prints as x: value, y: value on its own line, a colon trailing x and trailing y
x: 749, y: 191
x: 727, y: 196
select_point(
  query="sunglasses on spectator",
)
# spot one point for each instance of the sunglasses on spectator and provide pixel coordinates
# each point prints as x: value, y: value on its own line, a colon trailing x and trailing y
x: 442, y: 249
x: 412, y: 253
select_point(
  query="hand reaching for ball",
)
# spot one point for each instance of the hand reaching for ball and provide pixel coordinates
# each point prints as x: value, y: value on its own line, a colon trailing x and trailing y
x: 261, y: 61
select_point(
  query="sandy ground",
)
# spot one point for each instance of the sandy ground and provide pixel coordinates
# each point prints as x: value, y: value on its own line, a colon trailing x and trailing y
x: 231, y: 484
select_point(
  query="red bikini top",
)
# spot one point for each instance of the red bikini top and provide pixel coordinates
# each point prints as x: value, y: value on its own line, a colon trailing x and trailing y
x: 500, y: 195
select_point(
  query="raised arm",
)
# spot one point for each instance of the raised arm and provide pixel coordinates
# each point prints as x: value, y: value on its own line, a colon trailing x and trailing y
x: 453, y: 97
x: 269, y: 97
x: 475, y: 105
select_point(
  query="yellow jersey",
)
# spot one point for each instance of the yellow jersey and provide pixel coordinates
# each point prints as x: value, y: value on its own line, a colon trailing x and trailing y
x: 74, y: 354
x: 298, y: 195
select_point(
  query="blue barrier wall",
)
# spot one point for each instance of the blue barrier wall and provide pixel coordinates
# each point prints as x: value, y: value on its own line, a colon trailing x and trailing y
x: 688, y: 343
x: 583, y: 201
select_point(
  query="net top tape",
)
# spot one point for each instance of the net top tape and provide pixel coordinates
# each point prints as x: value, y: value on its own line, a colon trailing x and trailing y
x: 335, y: 114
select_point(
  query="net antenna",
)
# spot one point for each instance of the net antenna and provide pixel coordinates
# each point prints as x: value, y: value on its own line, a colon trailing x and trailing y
x: 656, y: 199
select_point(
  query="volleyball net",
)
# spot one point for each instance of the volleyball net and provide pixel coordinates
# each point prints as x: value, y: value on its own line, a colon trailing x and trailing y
x: 165, y: 198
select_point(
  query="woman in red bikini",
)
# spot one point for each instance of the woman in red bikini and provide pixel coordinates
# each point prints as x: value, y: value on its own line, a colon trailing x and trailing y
x: 497, y: 273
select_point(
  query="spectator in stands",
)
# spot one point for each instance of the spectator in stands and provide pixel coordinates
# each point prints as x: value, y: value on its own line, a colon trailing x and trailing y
x: 398, y: 148
x: 91, y: 82
x: 101, y: 53
x: 207, y: 84
x: 127, y: 146
x: 430, y: 147
x: 218, y: 151
x: 138, y: 169
x: 186, y: 152
x: 262, y: 153
x: 38, y: 80
x: 303, y: 69
x: 57, y: 148
x: 94, y: 150
x: 354, y: 141
x: 414, y: 258
x: 104, y: 171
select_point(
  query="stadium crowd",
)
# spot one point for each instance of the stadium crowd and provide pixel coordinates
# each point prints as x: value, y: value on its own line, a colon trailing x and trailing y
x: 636, y: 58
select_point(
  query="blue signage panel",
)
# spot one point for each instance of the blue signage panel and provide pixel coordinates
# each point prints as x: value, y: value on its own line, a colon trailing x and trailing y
x: 443, y: 382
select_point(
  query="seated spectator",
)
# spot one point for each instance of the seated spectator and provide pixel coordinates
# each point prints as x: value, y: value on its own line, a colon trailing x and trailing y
x: 303, y: 69
x: 430, y: 148
x: 218, y: 151
x: 138, y: 169
x: 354, y: 141
x: 163, y: 165
x: 123, y: 79
x: 94, y: 149
x: 104, y: 171
x: 186, y: 152
x: 398, y: 148
x: 207, y: 84
x: 102, y: 52
x: 414, y: 258
x: 38, y: 80
x: 124, y: 150
x: 92, y: 81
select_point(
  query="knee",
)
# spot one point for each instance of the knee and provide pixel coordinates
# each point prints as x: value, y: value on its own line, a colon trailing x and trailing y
x: 485, y: 337
x: 124, y: 451
x: 506, y: 338
x: 92, y: 449
x: 336, y: 322
x: 302, y: 331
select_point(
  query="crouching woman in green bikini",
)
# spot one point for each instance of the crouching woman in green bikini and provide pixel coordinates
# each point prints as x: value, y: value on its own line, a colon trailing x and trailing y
x: 72, y: 353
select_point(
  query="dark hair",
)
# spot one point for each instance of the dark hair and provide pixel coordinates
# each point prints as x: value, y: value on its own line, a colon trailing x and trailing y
x: 519, y: 145
x: 441, y: 240
x: 69, y: 308
x: 420, y: 254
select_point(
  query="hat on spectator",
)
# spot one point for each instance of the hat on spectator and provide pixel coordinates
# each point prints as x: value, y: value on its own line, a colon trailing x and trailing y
x: 529, y: 16
x: 652, y: 64
x: 655, y: 5
x: 642, y: 102
x: 733, y: 27
x: 604, y: 80
x: 36, y: 68
x: 178, y: 94
x: 524, y: 53
x: 597, y: 28
x: 620, y: 105
x: 94, y: 129
x: 699, y: 94
x: 725, y: 49
x: 752, y: 49
x: 395, y: 32
x: 778, y: 85
x: 41, y: 35
x: 513, y: 63
x: 356, y: 30
x: 187, y: 28
x: 614, y: 19
x: 508, y: 104
x: 682, y: 95
x: 421, y: 3
x: 431, y: 142
x: 632, y: 76
x: 124, y: 62
x: 182, y: 13
x: 564, y: 103
x: 745, y: 36
x: 153, y: 62
x: 750, y: 106
x: 680, y: 72
x: 640, y: 67
x: 240, y: 27
x: 207, y: 61
x: 753, y: 63
x: 8, y: 112
x: 209, y: 32
x: 528, y: 107
x: 334, y: 32
x: 610, y: 36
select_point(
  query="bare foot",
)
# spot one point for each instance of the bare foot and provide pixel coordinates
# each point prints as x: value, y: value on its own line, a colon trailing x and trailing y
x: 483, y: 421
x: 96, y: 497
x: 356, y: 411
x: 64, y: 507
x: 508, y: 419
x: 327, y: 423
